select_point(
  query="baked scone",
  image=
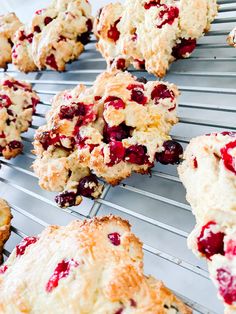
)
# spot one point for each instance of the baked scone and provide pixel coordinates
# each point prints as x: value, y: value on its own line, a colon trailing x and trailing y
x: 209, y: 175
x: 231, y: 39
x: 5, y: 221
x: 151, y: 34
x: 9, y: 24
x: 92, y: 266
x: 17, y: 105
x: 116, y: 127
x: 55, y: 36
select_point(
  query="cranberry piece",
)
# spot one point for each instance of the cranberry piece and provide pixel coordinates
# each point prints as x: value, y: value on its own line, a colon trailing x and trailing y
x: 137, y: 94
x: 97, y: 98
x: 37, y: 29
x: 114, y: 238
x: 231, y: 248
x: 84, y: 38
x: 20, y: 248
x: 134, y: 36
x: 185, y: 47
x: 69, y: 113
x: 228, y: 158
x: 23, y: 37
x: 2, y: 135
x: 150, y: 4
x: 15, y: 145
x: 66, y: 199
x: 169, y: 14
x: 142, y: 80
x: 136, y: 154
x: 113, y: 32
x: 30, y: 38
x: 3, y: 269
x: 89, y: 25
x: 171, y: 154
x: 116, y: 133
x: 210, y: 243
x: 51, y: 61
x: 161, y: 91
x: 195, y: 163
x: 61, y: 38
x: 133, y: 303
x: 38, y: 12
x: 120, y: 64
x: 47, y: 20
x: 116, y: 102
x: 88, y: 185
x: 117, y: 153
x: 230, y: 133
x: 47, y: 138
x: 120, y: 311
x: 140, y: 63
x: 35, y: 101
x: 5, y: 101
x: 15, y: 85
x: 227, y: 285
x: 61, y: 271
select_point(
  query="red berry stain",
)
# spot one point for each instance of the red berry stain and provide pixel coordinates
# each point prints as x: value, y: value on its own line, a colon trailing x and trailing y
x: 195, y: 163
x: 185, y: 47
x: 120, y: 311
x: 210, y: 243
x: 113, y: 32
x: 230, y: 248
x: 2, y: 135
x: 227, y: 285
x: 150, y: 4
x: 137, y: 94
x: 233, y: 134
x: 47, y: 20
x: 38, y: 12
x: 133, y: 303
x: 97, y: 98
x: 114, y: 238
x: 136, y: 154
x: 5, y: 101
x: 3, y: 269
x: 114, y: 101
x: 51, y: 61
x: 16, y: 84
x: 23, y: 37
x: 20, y: 248
x: 229, y: 158
x: 117, y: 153
x: 168, y: 14
x: 61, y: 271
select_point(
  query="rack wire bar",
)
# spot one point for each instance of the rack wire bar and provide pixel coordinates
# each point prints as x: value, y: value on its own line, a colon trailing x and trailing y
x: 155, y: 206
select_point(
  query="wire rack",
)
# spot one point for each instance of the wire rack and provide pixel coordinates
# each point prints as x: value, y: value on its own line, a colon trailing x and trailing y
x: 156, y: 205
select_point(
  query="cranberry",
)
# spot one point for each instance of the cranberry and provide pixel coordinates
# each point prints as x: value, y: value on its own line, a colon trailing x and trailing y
x: 116, y: 133
x: 117, y: 153
x: 47, y: 138
x: 23, y: 37
x: 2, y: 135
x: 150, y: 4
x: 120, y: 64
x: 171, y: 154
x: 230, y: 133
x: 120, y: 311
x: 142, y: 80
x: 51, y: 61
x: 61, y: 271
x: 20, y: 248
x: 137, y: 94
x: 133, y: 303
x: 231, y: 248
x: 195, y: 163
x: 113, y: 32
x: 38, y: 12
x: 87, y: 185
x: 15, y: 145
x: 114, y: 238
x: 140, y: 63
x: 228, y: 158
x: 84, y: 38
x: 47, y: 20
x: 15, y: 85
x: 116, y: 102
x: 136, y: 154
x: 210, y: 243
x: 227, y: 285
x: 161, y: 91
x: 67, y: 112
x: 169, y: 14
x: 89, y: 25
x: 97, y: 98
x: 134, y: 36
x: 66, y: 199
x: 5, y: 101
x: 185, y: 47
x: 35, y: 101
x: 3, y: 269
x: 61, y: 38
x: 37, y: 29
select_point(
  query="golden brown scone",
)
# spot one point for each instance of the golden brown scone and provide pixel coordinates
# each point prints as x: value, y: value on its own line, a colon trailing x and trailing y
x: 9, y: 24
x: 5, y: 220
x: 93, y: 266
x: 55, y: 36
x: 116, y: 127
x: 17, y: 104
x: 151, y: 34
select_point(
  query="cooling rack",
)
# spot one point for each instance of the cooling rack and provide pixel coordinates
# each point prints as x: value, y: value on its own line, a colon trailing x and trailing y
x: 156, y: 205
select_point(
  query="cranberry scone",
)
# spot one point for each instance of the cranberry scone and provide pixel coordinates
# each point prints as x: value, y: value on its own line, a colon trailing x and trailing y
x: 9, y: 24
x: 116, y: 127
x: 55, y: 36
x: 5, y: 221
x: 17, y: 105
x: 209, y: 175
x: 92, y: 266
x: 150, y: 34
x: 231, y: 39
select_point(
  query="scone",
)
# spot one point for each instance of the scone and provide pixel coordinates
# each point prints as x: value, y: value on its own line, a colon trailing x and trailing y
x: 9, y: 24
x: 151, y: 34
x: 92, y: 266
x: 17, y: 105
x: 209, y: 175
x: 55, y: 36
x: 116, y: 127
x: 231, y: 39
x: 5, y: 220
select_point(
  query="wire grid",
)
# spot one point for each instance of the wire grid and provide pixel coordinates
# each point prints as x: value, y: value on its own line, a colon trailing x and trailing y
x: 156, y: 205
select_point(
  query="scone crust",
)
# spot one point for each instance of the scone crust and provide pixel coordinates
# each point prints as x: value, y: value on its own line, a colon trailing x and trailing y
x: 5, y: 220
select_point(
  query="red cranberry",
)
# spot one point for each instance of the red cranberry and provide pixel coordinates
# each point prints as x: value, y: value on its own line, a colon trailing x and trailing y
x: 185, y: 47
x: 15, y: 85
x: 142, y: 80
x: 5, y: 101
x: 120, y: 311
x: 15, y: 145
x: 38, y: 12
x: 113, y: 32
x: 161, y: 91
x: 231, y: 248
x: 195, y: 163
x: 87, y: 186
x: 97, y: 98
x: 35, y: 101
x: 51, y: 61
x: 117, y: 153
x: 171, y: 154
x: 61, y: 271
x: 84, y: 38
x: 37, y: 29
x: 227, y: 285
x: 66, y: 199
x: 116, y: 133
x: 116, y: 102
x: 23, y: 37
x: 2, y: 135
x: 47, y: 20
x: 136, y: 154
x: 67, y: 112
x: 20, y: 248
x: 210, y: 243
x: 137, y: 94
x: 47, y: 138
x: 89, y: 25
x: 121, y: 64
x: 140, y: 63
x: 230, y: 133
x: 133, y: 303
x: 169, y: 14
x: 3, y: 269
x: 134, y: 36
x: 150, y: 4
x: 228, y: 158
x: 114, y: 238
